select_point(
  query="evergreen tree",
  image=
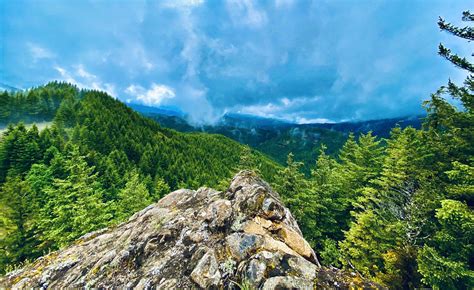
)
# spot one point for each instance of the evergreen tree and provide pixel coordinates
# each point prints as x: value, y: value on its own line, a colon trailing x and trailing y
x: 324, y: 204
x: 74, y: 204
x: 133, y: 197
x: 290, y: 180
x: 360, y: 162
x: 389, y: 216
x: 247, y: 161
x: 5, y: 110
x: 446, y: 261
x: 17, y: 215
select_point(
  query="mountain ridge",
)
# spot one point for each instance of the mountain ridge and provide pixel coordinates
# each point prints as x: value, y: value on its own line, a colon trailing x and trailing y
x: 277, y: 139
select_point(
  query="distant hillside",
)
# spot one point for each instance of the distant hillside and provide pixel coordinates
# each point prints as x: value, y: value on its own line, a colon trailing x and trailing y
x: 278, y: 138
x: 104, y: 125
x: 34, y: 105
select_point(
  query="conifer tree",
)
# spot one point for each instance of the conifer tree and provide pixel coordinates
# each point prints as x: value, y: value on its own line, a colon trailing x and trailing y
x: 390, y: 206
x: 323, y: 203
x: 17, y: 215
x: 75, y: 203
x: 247, y: 160
x: 133, y: 197
x: 290, y: 179
x: 445, y: 262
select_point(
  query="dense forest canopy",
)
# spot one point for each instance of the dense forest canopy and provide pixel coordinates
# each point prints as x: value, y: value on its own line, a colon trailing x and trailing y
x: 97, y: 164
x: 397, y: 210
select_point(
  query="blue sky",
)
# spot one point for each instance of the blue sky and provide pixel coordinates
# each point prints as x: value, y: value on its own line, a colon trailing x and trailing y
x: 304, y: 61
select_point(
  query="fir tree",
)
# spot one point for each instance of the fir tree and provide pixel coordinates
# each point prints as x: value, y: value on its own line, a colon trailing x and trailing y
x: 133, y: 197
x: 18, y: 212
x: 75, y: 205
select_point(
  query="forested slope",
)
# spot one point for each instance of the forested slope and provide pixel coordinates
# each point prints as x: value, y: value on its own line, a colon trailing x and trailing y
x: 98, y: 163
x: 277, y: 139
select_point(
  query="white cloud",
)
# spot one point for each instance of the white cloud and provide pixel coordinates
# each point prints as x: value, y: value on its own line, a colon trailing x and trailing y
x: 182, y: 3
x: 84, y: 74
x: 154, y: 96
x: 302, y: 120
x: 244, y: 12
x: 85, y: 80
x: 37, y: 52
x: 65, y: 75
x: 287, y: 109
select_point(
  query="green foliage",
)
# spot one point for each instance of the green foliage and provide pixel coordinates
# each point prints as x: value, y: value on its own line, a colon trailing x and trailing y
x: 406, y: 232
x: 445, y: 261
x: 330, y: 253
x: 291, y: 183
x: 133, y: 197
x: 34, y: 105
x: 74, y: 204
x: 18, y: 212
x: 247, y: 160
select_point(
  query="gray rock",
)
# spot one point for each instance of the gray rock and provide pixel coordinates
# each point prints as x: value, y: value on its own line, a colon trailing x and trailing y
x: 272, y: 209
x: 242, y: 245
x: 207, y: 272
x: 256, y: 271
x: 219, y: 213
x: 287, y: 282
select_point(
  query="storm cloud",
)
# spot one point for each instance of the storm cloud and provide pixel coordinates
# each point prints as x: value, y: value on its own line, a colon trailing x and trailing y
x: 304, y: 61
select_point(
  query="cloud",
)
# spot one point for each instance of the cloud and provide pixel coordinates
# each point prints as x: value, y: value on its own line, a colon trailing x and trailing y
x: 302, y: 120
x: 154, y: 96
x: 298, y: 110
x: 245, y: 12
x: 299, y: 60
x: 85, y: 80
x: 38, y: 53
x: 182, y: 3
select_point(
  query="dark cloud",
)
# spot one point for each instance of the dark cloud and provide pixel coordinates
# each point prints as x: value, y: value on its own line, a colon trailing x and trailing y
x: 299, y: 60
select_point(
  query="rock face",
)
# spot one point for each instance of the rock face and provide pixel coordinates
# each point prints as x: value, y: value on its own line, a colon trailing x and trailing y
x: 241, y: 238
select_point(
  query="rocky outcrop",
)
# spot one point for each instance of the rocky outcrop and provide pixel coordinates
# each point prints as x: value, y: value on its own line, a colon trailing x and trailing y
x: 240, y: 238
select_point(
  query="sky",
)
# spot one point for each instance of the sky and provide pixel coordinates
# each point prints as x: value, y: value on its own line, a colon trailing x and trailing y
x: 302, y: 61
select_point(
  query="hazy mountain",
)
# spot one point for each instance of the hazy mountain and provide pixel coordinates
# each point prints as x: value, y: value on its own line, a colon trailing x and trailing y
x: 278, y: 138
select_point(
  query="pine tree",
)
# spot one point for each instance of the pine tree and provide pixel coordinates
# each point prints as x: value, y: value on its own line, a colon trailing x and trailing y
x: 133, y: 197
x: 389, y: 216
x: 75, y: 205
x: 360, y: 162
x: 322, y: 219
x: 445, y: 262
x: 465, y: 32
x: 5, y: 109
x: 160, y: 188
x: 247, y: 161
x: 290, y: 179
x: 18, y: 212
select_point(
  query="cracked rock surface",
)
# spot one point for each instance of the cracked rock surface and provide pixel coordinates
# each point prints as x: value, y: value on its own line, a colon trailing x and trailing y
x: 193, y: 239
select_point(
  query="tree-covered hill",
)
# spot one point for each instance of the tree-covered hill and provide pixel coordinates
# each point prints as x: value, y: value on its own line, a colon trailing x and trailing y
x: 97, y: 163
x: 277, y: 138
x: 35, y: 105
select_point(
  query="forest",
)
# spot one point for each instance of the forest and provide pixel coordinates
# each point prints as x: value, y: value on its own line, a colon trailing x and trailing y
x: 398, y: 210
